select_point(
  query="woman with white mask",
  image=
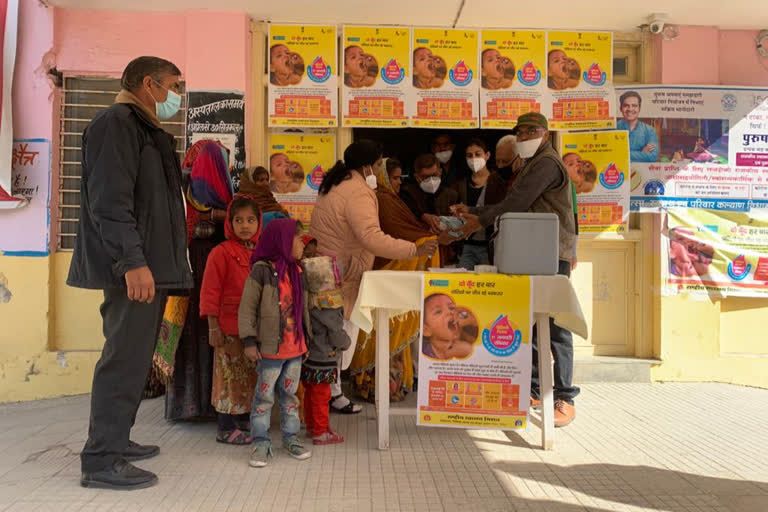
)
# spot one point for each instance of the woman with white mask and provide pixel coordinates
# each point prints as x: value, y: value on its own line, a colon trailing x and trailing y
x: 482, y: 188
x: 345, y: 223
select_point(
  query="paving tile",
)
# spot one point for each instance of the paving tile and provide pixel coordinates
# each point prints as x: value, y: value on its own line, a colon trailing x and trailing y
x: 632, y: 449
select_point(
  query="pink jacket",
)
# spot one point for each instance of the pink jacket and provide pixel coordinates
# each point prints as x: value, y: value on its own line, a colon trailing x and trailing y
x: 345, y: 223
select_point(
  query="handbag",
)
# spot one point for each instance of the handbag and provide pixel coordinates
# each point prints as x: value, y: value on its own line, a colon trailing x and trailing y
x: 168, y: 338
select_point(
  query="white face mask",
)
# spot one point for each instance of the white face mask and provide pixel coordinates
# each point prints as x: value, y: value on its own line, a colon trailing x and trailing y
x: 370, y: 180
x: 476, y: 164
x: 430, y: 185
x: 444, y: 156
x: 528, y: 148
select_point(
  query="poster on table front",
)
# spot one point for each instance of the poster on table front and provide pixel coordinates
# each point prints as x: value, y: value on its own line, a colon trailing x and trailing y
x: 696, y: 147
x: 297, y: 165
x: 717, y: 253
x: 27, y: 230
x: 598, y: 165
x: 580, y: 80
x: 513, y: 82
x: 444, y: 64
x: 303, y: 76
x: 376, y: 76
x: 219, y: 116
x: 475, y: 361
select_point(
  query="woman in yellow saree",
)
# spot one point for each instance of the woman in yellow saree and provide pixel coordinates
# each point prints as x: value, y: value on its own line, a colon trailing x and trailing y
x: 398, y: 221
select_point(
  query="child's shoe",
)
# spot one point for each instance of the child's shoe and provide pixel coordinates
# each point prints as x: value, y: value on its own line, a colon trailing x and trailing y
x: 296, y: 450
x: 260, y: 455
x: 329, y: 437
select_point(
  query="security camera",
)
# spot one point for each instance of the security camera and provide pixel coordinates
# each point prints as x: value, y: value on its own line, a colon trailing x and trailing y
x: 656, y: 23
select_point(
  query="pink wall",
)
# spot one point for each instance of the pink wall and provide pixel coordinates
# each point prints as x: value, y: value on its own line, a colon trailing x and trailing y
x: 210, y: 48
x: 709, y: 56
x: 692, y: 58
x: 739, y: 62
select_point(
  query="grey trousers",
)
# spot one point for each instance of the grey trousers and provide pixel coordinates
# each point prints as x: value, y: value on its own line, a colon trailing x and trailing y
x: 130, y: 329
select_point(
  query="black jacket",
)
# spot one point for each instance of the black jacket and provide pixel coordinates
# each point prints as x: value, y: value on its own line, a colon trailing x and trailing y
x: 421, y: 203
x: 131, y: 204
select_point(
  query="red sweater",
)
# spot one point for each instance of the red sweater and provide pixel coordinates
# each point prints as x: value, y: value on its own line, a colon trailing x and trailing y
x: 227, y: 269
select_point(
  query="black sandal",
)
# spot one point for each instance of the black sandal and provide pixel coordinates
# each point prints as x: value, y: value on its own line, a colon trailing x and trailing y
x: 347, y: 409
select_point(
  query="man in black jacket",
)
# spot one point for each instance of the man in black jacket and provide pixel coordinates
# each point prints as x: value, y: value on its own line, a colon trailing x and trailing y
x: 132, y: 244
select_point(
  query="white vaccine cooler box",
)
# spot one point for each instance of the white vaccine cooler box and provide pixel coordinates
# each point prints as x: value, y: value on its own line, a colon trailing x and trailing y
x: 527, y: 244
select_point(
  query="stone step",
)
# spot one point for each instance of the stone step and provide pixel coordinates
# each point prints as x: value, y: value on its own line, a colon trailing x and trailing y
x: 612, y: 369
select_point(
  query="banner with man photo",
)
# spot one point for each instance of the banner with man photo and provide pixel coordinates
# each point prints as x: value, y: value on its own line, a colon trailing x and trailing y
x: 377, y: 72
x: 598, y: 164
x: 303, y: 77
x: 513, y: 66
x: 580, y: 80
x: 716, y: 253
x: 696, y: 147
x: 297, y: 165
x: 475, y: 361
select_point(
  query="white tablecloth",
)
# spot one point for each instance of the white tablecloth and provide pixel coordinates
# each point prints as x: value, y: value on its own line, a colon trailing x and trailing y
x: 401, y: 292
x: 391, y: 293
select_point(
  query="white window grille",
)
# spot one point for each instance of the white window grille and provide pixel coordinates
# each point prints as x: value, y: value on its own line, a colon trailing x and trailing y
x: 83, y: 98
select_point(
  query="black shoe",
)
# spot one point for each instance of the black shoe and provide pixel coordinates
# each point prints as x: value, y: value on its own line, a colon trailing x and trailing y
x: 136, y: 451
x: 121, y: 476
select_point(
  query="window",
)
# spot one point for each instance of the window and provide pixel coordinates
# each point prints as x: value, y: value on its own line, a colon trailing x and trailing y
x: 83, y: 98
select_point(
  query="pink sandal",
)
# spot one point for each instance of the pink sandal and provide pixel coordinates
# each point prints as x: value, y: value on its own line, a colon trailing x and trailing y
x: 235, y: 437
x: 329, y: 437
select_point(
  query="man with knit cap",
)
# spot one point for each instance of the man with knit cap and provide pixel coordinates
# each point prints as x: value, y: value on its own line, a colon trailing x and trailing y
x: 541, y: 186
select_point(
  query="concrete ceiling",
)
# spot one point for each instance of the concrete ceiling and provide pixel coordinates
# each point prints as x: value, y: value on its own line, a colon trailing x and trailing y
x: 584, y: 14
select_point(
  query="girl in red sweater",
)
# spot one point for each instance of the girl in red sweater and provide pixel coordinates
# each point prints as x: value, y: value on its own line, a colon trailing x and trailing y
x: 234, y: 376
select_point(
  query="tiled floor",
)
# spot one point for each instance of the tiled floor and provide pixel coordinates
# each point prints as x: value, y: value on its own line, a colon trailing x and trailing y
x: 633, y: 447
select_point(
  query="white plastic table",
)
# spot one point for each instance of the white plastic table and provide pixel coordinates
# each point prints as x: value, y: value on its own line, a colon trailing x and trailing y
x: 387, y: 293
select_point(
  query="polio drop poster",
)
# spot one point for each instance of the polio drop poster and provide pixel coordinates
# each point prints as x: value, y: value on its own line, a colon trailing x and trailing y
x: 475, y: 361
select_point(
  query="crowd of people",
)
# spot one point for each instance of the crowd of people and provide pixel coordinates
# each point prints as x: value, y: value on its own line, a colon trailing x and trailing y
x: 234, y: 307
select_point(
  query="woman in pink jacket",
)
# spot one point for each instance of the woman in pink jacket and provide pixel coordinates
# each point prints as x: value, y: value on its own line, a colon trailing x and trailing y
x: 345, y: 223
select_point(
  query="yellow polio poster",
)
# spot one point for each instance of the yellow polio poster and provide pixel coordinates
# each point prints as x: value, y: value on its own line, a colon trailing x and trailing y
x: 475, y: 361
x: 445, y: 81
x: 580, y: 80
x: 297, y: 164
x: 598, y: 165
x: 376, y: 70
x: 303, y: 77
x: 513, y: 82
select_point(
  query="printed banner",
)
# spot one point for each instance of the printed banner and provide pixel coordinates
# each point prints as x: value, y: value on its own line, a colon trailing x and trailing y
x: 696, y: 147
x: 303, y: 77
x: 445, y: 81
x: 297, y: 164
x: 219, y: 116
x: 377, y: 76
x: 720, y: 253
x: 27, y: 230
x: 580, y: 80
x: 9, y: 23
x: 512, y: 63
x: 598, y: 164
x: 475, y: 361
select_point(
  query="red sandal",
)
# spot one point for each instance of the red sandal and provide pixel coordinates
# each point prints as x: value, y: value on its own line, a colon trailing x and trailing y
x: 329, y: 437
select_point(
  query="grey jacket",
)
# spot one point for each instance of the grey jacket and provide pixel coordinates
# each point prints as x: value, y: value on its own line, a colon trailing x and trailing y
x: 131, y: 205
x: 328, y: 338
x: 259, y: 319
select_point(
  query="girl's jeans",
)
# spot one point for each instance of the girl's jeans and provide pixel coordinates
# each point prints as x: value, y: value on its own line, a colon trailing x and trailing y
x: 283, y: 375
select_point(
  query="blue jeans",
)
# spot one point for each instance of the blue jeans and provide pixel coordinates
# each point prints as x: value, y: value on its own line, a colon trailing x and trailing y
x: 561, y: 341
x: 472, y: 255
x: 283, y: 374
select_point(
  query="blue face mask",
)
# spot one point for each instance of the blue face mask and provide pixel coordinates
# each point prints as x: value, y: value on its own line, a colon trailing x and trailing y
x: 170, y: 107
